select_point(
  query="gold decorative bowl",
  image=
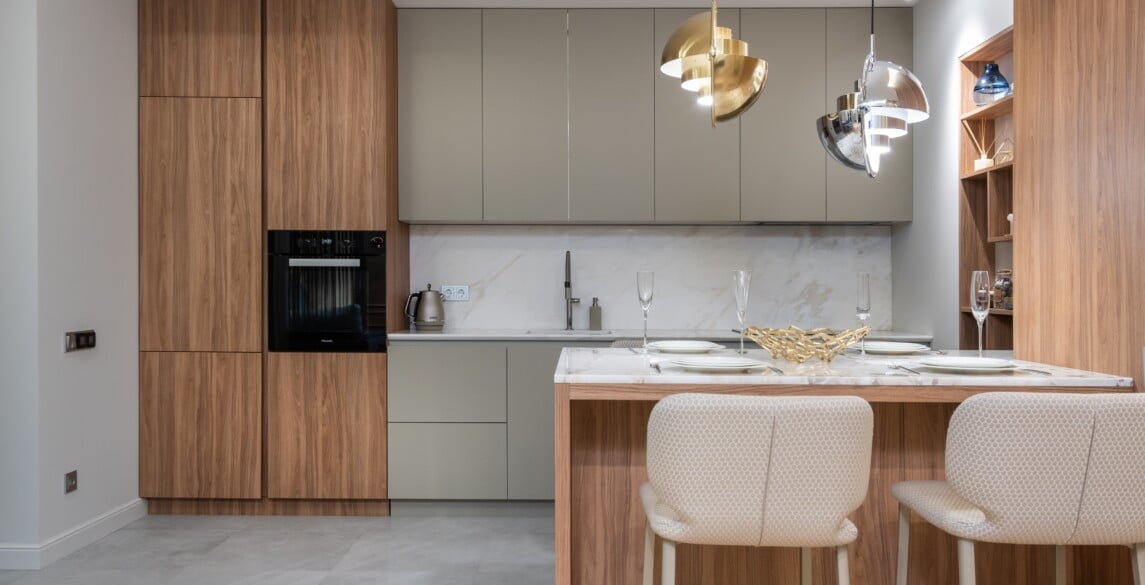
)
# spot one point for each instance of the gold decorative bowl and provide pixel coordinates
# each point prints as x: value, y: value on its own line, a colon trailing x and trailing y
x: 798, y: 345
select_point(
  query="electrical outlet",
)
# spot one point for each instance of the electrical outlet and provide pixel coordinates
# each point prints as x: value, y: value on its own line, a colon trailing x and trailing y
x: 455, y: 292
x: 77, y: 340
x: 71, y: 481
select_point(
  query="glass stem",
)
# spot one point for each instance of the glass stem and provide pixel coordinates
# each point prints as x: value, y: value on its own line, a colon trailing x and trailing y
x: 645, y: 330
x: 979, y: 339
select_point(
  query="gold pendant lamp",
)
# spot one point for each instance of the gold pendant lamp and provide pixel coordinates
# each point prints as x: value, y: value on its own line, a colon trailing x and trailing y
x: 708, y: 60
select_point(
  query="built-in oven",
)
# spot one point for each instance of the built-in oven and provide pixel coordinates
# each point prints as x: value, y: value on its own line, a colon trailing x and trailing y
x: 326, y: 291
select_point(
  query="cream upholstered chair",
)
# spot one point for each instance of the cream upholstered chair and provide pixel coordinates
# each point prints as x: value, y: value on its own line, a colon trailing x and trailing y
x: 755, y: 471
x: 1025, y: 468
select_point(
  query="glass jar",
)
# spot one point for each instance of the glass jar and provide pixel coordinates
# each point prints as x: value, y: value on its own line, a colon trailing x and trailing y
x: 992, y: 86
x: 1004, y: 289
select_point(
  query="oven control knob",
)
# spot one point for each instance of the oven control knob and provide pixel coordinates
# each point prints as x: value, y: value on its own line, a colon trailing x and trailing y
x: 347, y: 243
x: 305, y: 243
x: 377, y: 242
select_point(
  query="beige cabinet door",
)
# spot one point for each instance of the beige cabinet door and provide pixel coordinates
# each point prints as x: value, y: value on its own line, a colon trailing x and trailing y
x: 531, y: 368
x: 200, y: 425
x: 200, y: 218
x: 783, y: 167
x: 611, y: 66
x: 851, y: 195
x: 525, y: 113
x: 447, y: 461
x: 439, y: 119
x: 447, y: 382
x: 697, y: 166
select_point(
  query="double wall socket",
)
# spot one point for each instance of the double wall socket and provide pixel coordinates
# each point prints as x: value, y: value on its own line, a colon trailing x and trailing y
x: 77, y: 340
x: 455, y: 292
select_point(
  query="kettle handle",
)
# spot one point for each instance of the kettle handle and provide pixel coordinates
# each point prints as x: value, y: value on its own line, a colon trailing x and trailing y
x: 409, y: 299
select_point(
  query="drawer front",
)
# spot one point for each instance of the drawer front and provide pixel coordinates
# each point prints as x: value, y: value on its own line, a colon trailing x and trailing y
x: 447, y: 383
x: 447, y: 461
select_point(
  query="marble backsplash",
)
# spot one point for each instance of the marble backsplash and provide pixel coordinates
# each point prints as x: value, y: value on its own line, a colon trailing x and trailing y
x: 803, y: 275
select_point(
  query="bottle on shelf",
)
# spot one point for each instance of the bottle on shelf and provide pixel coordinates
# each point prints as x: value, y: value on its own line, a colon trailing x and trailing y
x: 991, y: 86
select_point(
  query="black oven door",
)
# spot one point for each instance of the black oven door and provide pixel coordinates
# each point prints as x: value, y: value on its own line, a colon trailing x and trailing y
x: 326, y: 303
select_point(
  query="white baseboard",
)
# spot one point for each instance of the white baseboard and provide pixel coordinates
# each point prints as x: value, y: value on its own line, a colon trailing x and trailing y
x: 30, y: 557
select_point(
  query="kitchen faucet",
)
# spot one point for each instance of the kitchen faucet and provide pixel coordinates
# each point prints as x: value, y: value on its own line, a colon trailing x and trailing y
x: 569, y: 300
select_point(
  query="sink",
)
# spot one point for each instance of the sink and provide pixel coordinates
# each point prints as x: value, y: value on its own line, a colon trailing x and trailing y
x: 574, y: 332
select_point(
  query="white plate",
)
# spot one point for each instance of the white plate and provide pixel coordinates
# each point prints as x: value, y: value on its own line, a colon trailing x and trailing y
x: 718, y: 363
x: 890, y: 347
x: 975, y: 365
x: 683, y: 346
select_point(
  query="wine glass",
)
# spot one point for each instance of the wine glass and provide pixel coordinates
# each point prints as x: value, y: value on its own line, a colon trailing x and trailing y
x: 742, y: 281
x: 863, y: 306
x: 980, y: 300
x: 644, y: 282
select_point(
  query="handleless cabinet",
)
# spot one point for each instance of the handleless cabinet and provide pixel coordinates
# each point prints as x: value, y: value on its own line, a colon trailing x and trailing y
x: 200, y: 48
x: 525, y: 115
x: 439, y: 122
x: 783, y: 166
x: 200, y: 213
x: 530, y: 440
x: 697, y: 166
x: 329, y: 90
x: 851, y: 195
x: 611, y: 69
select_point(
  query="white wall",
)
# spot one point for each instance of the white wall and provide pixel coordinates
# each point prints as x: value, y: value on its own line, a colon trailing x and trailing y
x: 88, y: 259
x: 802, y: 275
x: 18, y: 373
x: 925, y: 252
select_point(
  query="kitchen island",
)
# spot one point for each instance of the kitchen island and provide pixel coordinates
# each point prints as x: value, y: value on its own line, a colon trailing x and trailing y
x: 603, y: 398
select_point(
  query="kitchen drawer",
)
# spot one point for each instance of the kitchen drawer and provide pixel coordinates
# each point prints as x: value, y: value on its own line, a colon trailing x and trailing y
x: 441, y: 382
x: 447, y: 461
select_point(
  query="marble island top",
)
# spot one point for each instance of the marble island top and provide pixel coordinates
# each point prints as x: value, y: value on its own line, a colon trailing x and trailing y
x: 557, y: 334
x: 624, y: 366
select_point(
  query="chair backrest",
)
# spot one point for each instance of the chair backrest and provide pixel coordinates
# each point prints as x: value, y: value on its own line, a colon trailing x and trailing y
x: 759, y: 470
x: 1052, y: 468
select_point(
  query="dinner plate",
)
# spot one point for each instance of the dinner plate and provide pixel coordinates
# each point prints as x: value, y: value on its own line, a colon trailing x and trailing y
x: 969, y: 364
x: 718, y: 363
x: 683, y: 346
x: 891, y: 347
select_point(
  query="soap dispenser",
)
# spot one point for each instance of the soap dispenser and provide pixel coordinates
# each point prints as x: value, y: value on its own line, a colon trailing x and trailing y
x: 594, y: 315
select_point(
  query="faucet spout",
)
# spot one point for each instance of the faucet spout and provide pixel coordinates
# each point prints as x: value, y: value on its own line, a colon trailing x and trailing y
x: 569, y: 300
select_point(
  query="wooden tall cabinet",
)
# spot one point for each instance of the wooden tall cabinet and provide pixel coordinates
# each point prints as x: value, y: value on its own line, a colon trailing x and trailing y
x: 200, y: 48
x: 986, y: 196
x: 327, y: 122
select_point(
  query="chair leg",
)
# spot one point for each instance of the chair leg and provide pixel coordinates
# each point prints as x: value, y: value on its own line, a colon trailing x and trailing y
x: 843, y: 564
x: 965, y: 562
x: 1059, y: 564
x: 805, y: 566
x: 904, y: 544
x: 649, y: 553
x: 1138, y: 553
x: 668, y: 563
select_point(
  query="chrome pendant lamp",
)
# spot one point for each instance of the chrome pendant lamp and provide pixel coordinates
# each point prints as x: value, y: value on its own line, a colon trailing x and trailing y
x: 887, y: 98
x: 708, y: 60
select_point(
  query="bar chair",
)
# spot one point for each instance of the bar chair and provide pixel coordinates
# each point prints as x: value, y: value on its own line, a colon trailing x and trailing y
x: 1036, y: 469
x: 755, y: 471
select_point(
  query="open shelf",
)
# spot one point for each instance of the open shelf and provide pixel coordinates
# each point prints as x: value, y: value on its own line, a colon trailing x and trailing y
x: 994, y: 312
x: 992, y: 48
x: 992, y: 110
x: 986, y: 171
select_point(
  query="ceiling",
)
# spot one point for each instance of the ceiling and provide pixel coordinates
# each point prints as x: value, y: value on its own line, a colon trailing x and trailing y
x: 643, y: 3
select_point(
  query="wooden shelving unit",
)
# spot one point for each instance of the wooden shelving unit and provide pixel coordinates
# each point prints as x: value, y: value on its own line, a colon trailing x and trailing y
x: 987, y: 195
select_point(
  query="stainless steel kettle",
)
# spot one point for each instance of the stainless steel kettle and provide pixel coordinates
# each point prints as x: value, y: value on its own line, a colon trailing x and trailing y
x: 428, y: 313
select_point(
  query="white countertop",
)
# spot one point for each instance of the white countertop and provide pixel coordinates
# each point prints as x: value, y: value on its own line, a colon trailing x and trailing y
x: 556, y: 334
x: 623, y: 366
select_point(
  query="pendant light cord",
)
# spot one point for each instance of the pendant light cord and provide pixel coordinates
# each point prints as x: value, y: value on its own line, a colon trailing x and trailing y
x: 872, y: 17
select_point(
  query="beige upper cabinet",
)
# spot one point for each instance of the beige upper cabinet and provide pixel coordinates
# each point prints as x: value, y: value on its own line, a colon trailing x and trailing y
x: 851, y: 195
x: 328, y: 113
x: 439, y: 121
x: 611, y: 68
x: 525, y: 114
x: 697, y: 166
x: 782, y: 165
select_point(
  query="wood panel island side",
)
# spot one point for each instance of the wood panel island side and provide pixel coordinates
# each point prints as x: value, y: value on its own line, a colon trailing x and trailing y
x: 602, y: 403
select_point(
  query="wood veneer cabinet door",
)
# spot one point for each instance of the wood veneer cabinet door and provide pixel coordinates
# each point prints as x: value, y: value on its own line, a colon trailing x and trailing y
x: 326, y: 425
x: 783, y: 167
x: 200, y: 425
x: 697, y: 166
x: 328, y: 83
x: 200, y: 48
x: 200, y: 218
x: 851, y: 195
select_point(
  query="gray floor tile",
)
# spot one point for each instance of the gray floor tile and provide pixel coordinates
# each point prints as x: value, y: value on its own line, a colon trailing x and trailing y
x: 196, y: 576
x: 7, y: 577
x: 298, y: 549
x: 55, y: 575
x: 166, y: 549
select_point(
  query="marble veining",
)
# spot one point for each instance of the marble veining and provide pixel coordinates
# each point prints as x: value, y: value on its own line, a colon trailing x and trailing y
x: 803, y: 275
x: 622, y: 366
x: 717, y: 335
